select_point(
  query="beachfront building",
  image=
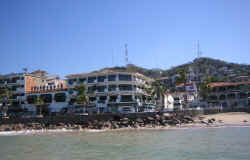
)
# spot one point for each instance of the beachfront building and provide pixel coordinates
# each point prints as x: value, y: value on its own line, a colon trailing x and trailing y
x: 22, y: 85
x: 16, y: 84
x: 52, y: 90
x: 229, y: 94
x: 113, y: 91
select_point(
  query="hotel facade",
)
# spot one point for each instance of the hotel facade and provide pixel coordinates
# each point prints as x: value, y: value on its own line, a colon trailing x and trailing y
x: 113, y: 91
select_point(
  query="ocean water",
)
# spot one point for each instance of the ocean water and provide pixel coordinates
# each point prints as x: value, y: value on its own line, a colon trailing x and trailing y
x: 231, y: 143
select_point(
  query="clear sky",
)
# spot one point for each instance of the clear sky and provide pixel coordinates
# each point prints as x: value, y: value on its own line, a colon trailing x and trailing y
x: 74, y: 36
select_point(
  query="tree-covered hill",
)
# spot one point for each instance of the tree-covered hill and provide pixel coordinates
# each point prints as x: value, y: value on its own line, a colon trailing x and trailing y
x: 201, y: 67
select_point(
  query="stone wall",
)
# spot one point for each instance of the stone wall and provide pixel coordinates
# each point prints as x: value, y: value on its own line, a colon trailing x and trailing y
x: 84, y: 119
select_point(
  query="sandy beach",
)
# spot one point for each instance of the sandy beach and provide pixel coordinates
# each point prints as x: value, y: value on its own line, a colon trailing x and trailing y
x: 231, y: 118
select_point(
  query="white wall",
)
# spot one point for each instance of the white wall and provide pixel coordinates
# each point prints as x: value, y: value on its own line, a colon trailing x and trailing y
x: 168, y: 102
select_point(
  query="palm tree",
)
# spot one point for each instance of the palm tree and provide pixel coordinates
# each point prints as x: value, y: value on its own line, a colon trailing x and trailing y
x: 204, y: 87
x: 159, y: 91
x: 150, y: 92
x: 5, y: 96
x: 40, y: 103
x: 81, y: 98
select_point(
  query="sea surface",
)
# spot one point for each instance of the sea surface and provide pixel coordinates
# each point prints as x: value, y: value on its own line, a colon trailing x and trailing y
x: 230, y: 143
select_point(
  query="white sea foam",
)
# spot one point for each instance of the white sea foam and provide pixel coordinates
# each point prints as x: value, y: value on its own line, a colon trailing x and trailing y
x: 38, y: 132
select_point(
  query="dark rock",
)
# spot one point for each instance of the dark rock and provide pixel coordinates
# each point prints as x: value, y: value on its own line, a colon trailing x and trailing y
x: 201, y: 117
x: 245, y: 121
x: 139, y: 120
x: 150, y: 118
x: 188, y: 118
x: 204, y: 122
x: 157, y: 117
x: 124, y: 119
x: 210, y: 121
x: 6, y: 129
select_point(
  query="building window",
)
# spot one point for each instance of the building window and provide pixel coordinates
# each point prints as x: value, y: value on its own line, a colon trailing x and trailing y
x: 222, y: 97
x: 112, y: 88
x: 125, y: 87
x: 111, y: 77
x: 124, y: 77
x: 112, y: 98
x: 126, y: 98
x: 60, y: 97
x: 101, y: 88
x: 47, y: 98
x: 243, y: 95
x: 92, y: 99
x: 71, y: 81
x: 92, y: 89
x: 102, y: 99
x: 213, y: 97
x: 91, y: 79
x: 231, y: 96
x: 82, y: 80
x: 101, y: 78
x: 31, y: 99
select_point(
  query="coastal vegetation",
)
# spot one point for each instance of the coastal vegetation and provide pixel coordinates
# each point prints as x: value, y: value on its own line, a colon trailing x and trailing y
x: 81, y: 98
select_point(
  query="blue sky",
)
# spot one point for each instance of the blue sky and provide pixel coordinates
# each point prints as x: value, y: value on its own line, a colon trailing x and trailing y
x: 74, y: 36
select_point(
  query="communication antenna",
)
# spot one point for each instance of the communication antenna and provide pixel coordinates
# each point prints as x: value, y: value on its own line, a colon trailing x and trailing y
x: 112, y: 57
x: 198, y: 50
x: 126, y: 54
x: 25, y: 70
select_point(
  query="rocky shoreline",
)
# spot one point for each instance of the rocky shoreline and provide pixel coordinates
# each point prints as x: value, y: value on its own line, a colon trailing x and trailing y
x: 118, y: 123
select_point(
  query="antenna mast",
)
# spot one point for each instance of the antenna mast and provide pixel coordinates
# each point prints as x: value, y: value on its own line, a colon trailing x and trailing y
x: 126, y: 54
x: 198, y: 51
x: 112, y: 58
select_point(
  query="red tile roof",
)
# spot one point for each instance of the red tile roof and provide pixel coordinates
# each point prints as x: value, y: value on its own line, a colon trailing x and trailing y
x: 221, y: 84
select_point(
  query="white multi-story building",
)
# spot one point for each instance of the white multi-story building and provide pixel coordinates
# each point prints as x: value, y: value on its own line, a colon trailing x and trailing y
x: 113, y: 91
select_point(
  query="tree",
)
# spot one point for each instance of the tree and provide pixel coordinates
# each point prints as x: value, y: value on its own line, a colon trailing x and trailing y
x: 150, y: 92
x: 159, y: 91
x: 81, y: 98
x: 40, y: 103
x: 5, y: 96
x: 204, y: 87
x: 182, y: 76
